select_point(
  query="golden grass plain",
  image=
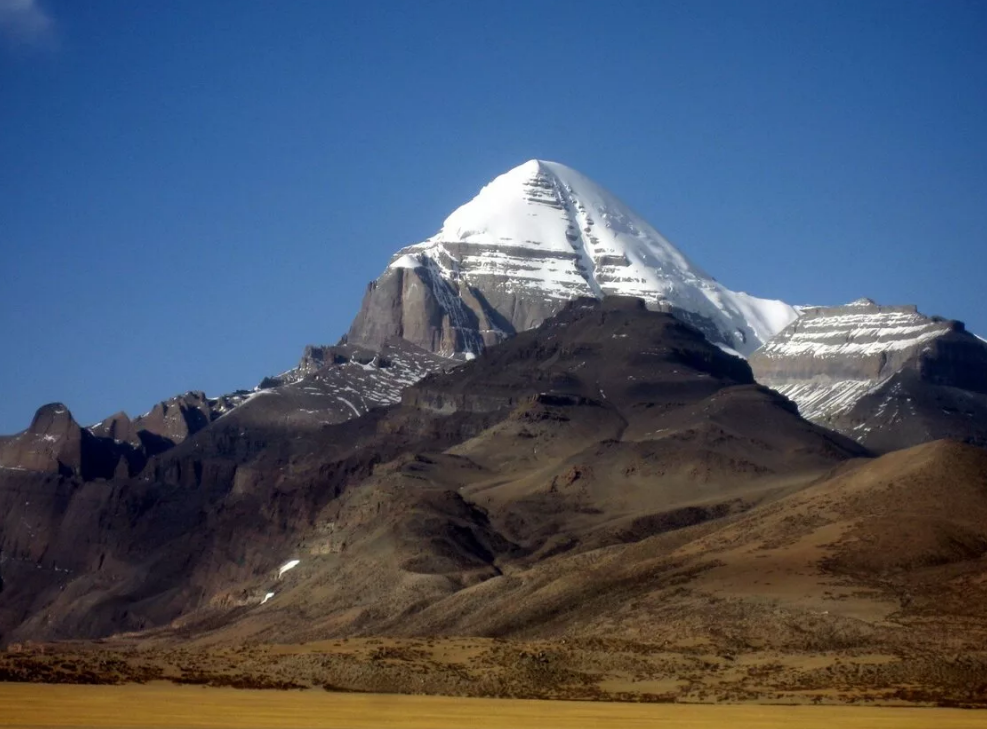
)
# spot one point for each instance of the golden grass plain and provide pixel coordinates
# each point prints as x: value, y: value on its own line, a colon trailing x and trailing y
x: 167, y: 706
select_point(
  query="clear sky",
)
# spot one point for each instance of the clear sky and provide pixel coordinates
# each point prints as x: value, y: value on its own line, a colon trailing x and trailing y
x: 191, y: 191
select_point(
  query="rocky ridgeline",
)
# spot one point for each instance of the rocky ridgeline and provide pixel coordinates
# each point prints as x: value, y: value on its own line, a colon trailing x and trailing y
x: 331, y: 384
x: 115, y: 447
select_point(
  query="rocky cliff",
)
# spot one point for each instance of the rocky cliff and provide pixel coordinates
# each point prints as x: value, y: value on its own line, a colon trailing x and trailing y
x: 56, y: 444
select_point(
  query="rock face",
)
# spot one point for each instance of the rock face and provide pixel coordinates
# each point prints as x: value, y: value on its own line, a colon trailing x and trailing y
x: 54, y: 443
x: 533, y: 239
x: 941, y: 392
x: 887, y: 375
x: 118, y: 427
x: 172, y: 421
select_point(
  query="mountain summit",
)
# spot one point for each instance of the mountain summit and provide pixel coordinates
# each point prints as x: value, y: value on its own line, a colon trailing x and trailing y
x: 531, y: 240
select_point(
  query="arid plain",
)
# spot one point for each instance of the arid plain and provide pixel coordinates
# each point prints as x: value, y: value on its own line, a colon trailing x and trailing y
x: 161, y: 706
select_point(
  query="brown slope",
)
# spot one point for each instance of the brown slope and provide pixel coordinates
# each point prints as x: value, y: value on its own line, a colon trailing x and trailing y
x: 607, y: 425
x: 880, y: 556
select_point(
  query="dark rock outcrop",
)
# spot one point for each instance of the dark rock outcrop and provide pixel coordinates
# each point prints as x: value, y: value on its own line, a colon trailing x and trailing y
x: 54, y: 443
x: 419, y: 305
x: 51, y: 444
x: 118, y: 427
x: 172, y: 421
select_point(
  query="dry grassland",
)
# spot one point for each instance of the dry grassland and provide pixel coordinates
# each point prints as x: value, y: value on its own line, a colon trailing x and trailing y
x: 163, y: 705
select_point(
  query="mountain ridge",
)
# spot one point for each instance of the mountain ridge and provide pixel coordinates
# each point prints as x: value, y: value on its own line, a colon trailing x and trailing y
x: 601, y: 388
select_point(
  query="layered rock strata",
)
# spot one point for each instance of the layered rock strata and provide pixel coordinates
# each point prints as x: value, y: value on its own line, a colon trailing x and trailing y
x: 864, y: 369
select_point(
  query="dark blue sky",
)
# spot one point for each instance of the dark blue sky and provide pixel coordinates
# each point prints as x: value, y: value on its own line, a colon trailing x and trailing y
x: 192, y: 191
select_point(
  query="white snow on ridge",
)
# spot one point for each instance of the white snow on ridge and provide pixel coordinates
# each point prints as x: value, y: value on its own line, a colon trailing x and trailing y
x: 546, y: 228
x: 864, y: 334
x: 821, y: 399
x: 352, y: 407
x: 729, y: 350
x: 833, y: 356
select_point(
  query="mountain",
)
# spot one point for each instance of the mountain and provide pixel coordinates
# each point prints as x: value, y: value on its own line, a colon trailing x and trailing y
x: 533, y: 239
x: 606, y: 424
x: 888, y: 376
x: 608, y: 487
x: 538, y: 429
x: 530, y: 241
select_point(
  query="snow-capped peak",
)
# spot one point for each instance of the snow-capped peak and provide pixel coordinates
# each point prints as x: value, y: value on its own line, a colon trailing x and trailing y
x: 550, y: 207
x: 532, y: 239
x: 547, y: 228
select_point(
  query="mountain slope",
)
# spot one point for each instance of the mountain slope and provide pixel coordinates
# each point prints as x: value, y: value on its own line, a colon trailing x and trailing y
x: 606, y: 424
x: 875, y: 553
x: 534, y: 238
x: 609, y: 484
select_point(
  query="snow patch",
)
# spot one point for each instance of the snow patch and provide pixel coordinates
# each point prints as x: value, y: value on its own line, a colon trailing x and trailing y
x: 289, y: 565
x: 353, y: 407
x: 406, y: 261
